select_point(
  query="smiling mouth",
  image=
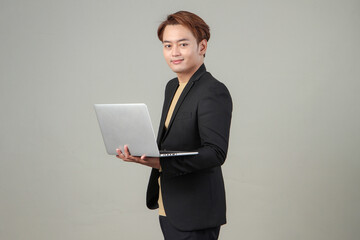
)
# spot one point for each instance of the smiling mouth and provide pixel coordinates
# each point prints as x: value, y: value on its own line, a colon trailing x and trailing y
x: 177, y: 61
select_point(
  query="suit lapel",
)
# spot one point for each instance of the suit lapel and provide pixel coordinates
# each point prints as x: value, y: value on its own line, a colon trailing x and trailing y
x: 168, y: 98
x: 189, y: 85
x: 179, y: 102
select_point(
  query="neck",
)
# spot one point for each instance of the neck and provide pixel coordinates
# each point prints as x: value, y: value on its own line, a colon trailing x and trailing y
x: 185, y: 77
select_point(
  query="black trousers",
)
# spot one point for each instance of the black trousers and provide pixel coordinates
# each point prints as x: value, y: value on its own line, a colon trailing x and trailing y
x: 171, y: 233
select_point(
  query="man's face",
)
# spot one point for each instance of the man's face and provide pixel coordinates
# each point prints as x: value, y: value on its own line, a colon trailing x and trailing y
x: 181, y: 51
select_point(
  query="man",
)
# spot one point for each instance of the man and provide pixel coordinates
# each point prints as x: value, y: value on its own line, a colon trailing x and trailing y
x: 189, y: 190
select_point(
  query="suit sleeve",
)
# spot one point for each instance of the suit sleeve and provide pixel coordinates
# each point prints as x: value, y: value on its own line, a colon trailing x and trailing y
x: 214, y: 118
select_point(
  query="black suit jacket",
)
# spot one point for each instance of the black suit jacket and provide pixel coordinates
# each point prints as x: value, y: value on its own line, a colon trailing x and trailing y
x: 192, y: 186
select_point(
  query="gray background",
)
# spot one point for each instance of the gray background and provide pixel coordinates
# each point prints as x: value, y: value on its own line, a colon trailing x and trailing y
x: 292, y: 68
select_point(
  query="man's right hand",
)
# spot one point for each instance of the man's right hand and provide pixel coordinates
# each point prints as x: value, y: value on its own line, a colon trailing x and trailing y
x: 153, y: 162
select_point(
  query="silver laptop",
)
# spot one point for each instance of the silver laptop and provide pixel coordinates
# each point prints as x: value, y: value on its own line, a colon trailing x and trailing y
x: 130, y: 124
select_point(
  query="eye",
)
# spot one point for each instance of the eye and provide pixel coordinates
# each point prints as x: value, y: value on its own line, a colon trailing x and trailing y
x: 167, y: 46
x: 183, y: 44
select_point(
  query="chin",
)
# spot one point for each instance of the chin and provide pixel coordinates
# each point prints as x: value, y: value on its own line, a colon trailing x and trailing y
x: 177, y: 69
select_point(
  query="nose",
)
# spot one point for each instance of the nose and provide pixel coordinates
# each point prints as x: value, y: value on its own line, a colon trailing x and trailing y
x: 175, y: 51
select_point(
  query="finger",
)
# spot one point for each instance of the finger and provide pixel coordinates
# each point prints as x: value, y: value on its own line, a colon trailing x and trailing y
x: 143, y: 157
x: 120, y: 154
x: 118, y: 151
x: 126, y: 150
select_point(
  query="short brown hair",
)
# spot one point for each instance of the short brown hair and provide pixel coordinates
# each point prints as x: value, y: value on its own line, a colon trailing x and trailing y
x: 193, y: 22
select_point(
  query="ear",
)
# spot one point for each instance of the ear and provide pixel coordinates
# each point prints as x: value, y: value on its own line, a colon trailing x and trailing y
x: 202, y: 47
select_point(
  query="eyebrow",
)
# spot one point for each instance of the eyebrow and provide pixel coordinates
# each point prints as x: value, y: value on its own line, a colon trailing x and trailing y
x: 180, y: 40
